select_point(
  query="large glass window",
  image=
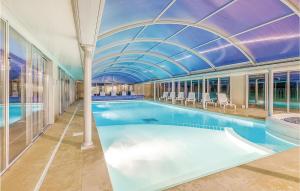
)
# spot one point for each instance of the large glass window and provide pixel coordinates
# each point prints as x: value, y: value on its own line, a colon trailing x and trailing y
x: 194, y: 88
x: 213, y: 88
x: 176, y: 88
x: 256, y: 97
x: 182, y: 86
x: 280, y: 91
x: 2, y: 96
x: 19, y: 112
x: 225, y: 86
x: 295, y: 91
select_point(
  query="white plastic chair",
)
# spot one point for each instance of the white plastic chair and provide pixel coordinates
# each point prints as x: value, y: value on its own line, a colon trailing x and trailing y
x: 113, y: 93
x: 171, y: 96
x: 180, y: 97
x: 102, y: 93
x: 124, y: 93
x: 223, y: 101
x: 191, y: 98
x: 164, y: 96
x: 206, y: 100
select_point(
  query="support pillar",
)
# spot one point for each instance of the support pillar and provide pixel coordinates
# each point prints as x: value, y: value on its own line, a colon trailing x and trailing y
x: 270, y: 93
x: 219, y: 86
x: 247, y: 91
x: 87, y: 143
x: 154, y: 91
x: 288, y: 92
x: 173, y: 90
x: 203, y: 92
x: 185, y: 89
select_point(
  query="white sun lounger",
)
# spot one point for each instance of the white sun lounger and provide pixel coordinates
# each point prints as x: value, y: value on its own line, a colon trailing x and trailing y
x: 191, y: 98
x: 102, y: 93
x: 113, y: 93
x: 164, y: 96
x: 206, y: 100
x: 171, y: 96
x: 180, y: 97
x: 124, y: 93
x: 223, y: 101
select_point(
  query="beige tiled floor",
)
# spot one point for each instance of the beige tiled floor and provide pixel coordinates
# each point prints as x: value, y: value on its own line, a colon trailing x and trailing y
x: 74, y: 169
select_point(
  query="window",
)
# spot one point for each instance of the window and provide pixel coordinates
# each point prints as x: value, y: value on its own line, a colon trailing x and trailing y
x: 295, y: 91
x: 2, y: 96
x: 280, y: 91
x: 225, y: 86
x: 213, y: 88
x: 256, y: 97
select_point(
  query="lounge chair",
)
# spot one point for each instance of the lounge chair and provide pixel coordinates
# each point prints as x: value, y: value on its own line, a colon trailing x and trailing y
x: 102, y: 93
x: 113, y: 93
x: 132, y: 93
x: 96, y: 90
x: 180, y: 97
x: 124, y: 93
x: 164, y: 96
x: 223, y: 101
x: 191, y: 98
x: 171, y: 96
x: 206, y: 100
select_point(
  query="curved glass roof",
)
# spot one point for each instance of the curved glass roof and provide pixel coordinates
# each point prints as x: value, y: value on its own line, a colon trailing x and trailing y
x: 163, y: 39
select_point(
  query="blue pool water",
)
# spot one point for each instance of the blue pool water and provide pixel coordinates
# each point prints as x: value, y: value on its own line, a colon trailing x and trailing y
x: 151, y: 146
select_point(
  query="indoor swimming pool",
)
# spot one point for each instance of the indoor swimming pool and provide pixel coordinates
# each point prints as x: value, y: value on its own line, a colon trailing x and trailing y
x: 152, y: 146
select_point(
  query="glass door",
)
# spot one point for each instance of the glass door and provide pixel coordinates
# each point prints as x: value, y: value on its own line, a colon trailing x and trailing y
x: 256, y: 97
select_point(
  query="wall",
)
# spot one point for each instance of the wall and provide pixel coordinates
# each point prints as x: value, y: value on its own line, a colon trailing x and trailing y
x: 144, y: 89
x: 238, y: 89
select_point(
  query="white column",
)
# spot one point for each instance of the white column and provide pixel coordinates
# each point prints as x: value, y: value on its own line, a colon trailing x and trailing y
x: 219, y: 86
x: 87, y: 142
x: 270, y: 93
x: 198, y: 95
x: 154, y: 91
x: 185, y: 88
x: 173, y: 90
x: 203, y: 92
x: 288, y: 92
x: 247, y: 91
x: 266, y: 91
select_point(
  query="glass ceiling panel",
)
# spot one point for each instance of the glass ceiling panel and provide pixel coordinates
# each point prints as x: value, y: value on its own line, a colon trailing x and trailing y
x: 124, y: 35
x: 172, y: 68
x: 191, y: 62
x: 116, y: 78
x: 104, y: 62
x: 192, y: 10
x: 221, y: 53
x: 140, y: 46
x: 130, y: 56
x: 143, y: 68
x: 151, y: 59
x: 192, y: 37
x: 278, y: 40
x: 160, y: 31
x: 114, y: 50
x: 110, y: 77
x: 134, y: 71
x: 245, y: 14
x: 123, y: 12
x: 167, y: 49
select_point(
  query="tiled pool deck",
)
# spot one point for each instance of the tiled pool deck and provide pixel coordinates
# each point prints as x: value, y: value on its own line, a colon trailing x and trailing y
x: 74, y: 169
